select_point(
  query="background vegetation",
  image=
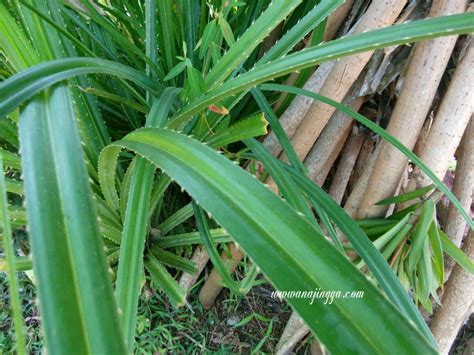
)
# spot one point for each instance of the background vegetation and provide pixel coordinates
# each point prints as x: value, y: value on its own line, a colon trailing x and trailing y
x: 128, y: 138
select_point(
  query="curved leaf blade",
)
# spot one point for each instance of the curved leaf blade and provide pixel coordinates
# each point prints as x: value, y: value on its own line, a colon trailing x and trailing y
x: 287, y: 248
x: 76, y: 299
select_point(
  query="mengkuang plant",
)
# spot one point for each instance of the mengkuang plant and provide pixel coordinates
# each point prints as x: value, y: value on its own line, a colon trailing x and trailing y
x: 101, y: 157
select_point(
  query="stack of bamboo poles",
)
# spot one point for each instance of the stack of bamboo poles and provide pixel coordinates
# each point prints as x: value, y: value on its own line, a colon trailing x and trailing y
x: 365, y: 170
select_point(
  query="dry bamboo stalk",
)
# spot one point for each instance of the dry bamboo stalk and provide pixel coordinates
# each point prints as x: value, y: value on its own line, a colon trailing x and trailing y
x: 420, y: 143
x: 316, y: 348
x: 353, y: 202
x: 213, y: 286
x: 346, y: 165
x: 319, y: 162
x: 463, y: 190
x: 200, y: 257
x: 362, y: 162
x: 294, y: 114
x: 327, y: 148
x: 333, y: 24
x: 424, y: 73
x: 294, y: 331
x: 457, y: 301
x: 336, y: 19
x: 450, y: 123
x: 300, y: 105
x: 342, y: 76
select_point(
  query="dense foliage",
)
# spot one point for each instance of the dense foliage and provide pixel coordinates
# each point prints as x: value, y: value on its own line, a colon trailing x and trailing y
x: 113, y: 118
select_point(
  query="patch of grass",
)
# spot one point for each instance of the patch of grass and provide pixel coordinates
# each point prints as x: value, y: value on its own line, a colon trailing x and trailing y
x: 233, y: 325
x: 30, y: 313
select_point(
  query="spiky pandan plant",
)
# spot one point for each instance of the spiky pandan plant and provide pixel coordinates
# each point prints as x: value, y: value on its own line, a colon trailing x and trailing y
x: 106, y: 108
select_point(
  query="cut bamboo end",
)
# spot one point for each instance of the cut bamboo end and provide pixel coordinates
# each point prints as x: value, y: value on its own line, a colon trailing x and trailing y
x: 213, y: 285
x: 200, y: 257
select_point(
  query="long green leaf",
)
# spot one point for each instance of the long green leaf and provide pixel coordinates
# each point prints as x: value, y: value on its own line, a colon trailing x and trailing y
x: 374, y: 260
x: 241, y: 50
x: 25, y: 84
x: 76, y: 299
x: 173, y: 290
x: 15, y: 301
x: 455, y: 253
x: 398, y: 34
x: 283, y: 244
x: 381, y: 132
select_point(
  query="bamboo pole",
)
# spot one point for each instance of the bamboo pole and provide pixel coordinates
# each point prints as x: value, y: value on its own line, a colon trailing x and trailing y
x: 290, y: 119
x: 200, y: 257
x: 327, y: 148
x: 333, y: 24
x: 336, y: 19
x: 294, y: 331
x: 363, y: 160
x: 463, y: 190
x: 353, y: 201
x: 457, y: 303
x: 294, y: 114
x: 213, y: 285
x: 342, y: 76
x: 450, y: 123
x: 346, y: 165
x: 425, y: 70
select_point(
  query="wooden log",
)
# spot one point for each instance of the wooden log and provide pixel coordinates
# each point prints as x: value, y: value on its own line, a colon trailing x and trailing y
x: 334, y: 22
x: 294, y: 331
x: 457, y: 303
x: 342, y: 76
x: 363, y: 161
x: 336, y: 19
x: 213, y: 285
x: 450, y: 123
x: 346, y: 165
x: 327, y: 148
x: 463, y: 189
x: 200, y: 257
x: 294, y: 114
x: 424, y: 73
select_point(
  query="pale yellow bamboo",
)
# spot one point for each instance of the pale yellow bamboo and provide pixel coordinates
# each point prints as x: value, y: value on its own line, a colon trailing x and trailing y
x: 212, y: 287
x: 425, y: 70
x: 346, y: 165
x: 335, y: 21
x: 327, y: 148
x: 294, y: 114
x: 463, y: 189
x: 456, y: 305
x: 295, y: 330
x: 353, y: 202
x: 450, y: 123
x: 200, y: 257
x: 342, y: 76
